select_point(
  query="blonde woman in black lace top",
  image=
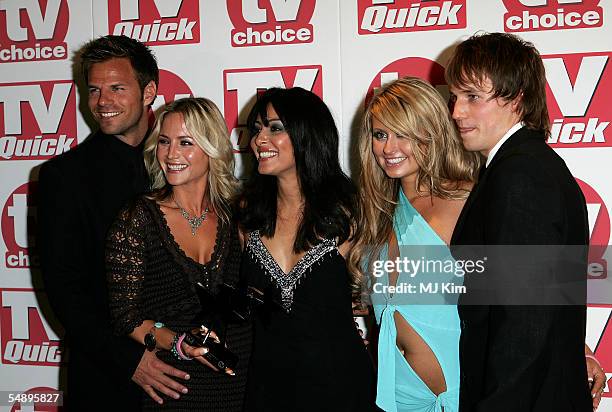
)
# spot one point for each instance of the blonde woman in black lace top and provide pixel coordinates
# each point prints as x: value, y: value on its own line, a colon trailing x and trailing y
x: 182, y: 234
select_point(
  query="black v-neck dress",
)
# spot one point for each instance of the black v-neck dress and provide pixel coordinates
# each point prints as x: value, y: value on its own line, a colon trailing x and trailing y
x: 150, y: 277
x: 307, y: 353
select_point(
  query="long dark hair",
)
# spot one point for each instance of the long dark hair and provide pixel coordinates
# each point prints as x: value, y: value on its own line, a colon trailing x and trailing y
x: 330, y: 207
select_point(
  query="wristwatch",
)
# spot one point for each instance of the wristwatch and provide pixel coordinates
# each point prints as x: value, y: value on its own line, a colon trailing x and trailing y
x: 149, y: 339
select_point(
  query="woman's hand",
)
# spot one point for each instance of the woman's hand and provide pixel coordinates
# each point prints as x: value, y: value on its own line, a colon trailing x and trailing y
x: 199, y: 352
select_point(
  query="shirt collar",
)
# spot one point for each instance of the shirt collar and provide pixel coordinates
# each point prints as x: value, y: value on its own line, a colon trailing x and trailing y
x: 501, y: 141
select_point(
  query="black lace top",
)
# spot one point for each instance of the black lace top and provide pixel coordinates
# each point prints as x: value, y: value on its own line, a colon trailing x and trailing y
x: 150, y: 277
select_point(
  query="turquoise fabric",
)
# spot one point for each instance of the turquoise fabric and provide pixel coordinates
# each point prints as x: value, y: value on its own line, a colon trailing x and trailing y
x: 399, y: 388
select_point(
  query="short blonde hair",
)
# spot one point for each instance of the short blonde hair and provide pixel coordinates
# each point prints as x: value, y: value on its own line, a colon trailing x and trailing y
x: 207, y: 127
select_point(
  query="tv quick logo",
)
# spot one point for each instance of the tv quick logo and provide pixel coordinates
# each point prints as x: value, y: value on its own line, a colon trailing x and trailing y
x: 397, y: 16
x: 37, y: 120
x: 27, y: 338
x: 599, y: 339
x: 155, y: 22
x: 420, y: 67
x: 18, y: 221
x: 537, y: 15
x: 579, y: 100
x: 33, y: 30
x: 242, y: 85
x: 270, y: 22
x: 171, y: 88
x: 599, y: 231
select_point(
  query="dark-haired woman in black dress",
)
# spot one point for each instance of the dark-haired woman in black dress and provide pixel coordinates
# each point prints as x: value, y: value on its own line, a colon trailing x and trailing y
x: 298, y: 211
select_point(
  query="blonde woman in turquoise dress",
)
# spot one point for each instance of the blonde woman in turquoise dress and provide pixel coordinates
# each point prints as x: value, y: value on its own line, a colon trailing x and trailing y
x: 414, y: 180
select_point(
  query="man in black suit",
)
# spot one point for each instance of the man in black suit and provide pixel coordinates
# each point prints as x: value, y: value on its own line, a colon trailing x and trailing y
x: 516, y: 357
x: 81, y: 193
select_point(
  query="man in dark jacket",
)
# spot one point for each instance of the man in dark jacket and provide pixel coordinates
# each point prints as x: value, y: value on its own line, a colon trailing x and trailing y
x: 81, y: 193
x: 522, y: 342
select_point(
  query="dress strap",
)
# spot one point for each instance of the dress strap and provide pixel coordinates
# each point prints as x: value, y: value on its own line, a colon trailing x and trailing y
x: 410, y: 226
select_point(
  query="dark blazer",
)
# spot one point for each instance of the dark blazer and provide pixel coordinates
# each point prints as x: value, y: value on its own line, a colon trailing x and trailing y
x: 80, y: 194
x: 524, y: 358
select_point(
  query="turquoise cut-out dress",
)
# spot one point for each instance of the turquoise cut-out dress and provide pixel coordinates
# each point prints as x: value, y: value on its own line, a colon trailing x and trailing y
x: 399, y: 388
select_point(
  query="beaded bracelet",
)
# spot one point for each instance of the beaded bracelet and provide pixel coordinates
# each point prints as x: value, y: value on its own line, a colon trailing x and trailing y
x: 175, y: 347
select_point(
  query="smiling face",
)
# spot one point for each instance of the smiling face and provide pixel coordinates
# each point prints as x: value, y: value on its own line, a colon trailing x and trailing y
x: 116, y: 101
x: 181, y: 159
x: 272, y: 146
x: 482, y: 120
x: 393, y: 153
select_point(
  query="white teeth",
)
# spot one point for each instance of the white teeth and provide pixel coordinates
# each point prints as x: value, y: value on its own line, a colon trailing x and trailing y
x: 108, y: 114
x: 176, y: 168
x: 266, y: 155
x: 395, y: 160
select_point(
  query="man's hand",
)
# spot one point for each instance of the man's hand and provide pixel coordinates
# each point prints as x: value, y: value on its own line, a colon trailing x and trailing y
x: 597, y: 381
x: 154, y: 375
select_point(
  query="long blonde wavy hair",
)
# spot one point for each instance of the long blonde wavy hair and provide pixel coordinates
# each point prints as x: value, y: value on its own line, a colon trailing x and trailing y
x: 206, y: 126
x: 412, y: 108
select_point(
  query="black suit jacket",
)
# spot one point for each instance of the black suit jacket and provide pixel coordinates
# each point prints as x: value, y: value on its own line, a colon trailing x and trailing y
x: 523, y: 358
x: 81, y: 193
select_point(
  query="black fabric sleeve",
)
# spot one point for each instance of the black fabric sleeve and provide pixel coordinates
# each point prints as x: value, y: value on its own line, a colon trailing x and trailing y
x: 125, y: 268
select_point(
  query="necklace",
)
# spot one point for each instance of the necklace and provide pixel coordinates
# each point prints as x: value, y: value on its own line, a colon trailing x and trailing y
x: 194, y: 222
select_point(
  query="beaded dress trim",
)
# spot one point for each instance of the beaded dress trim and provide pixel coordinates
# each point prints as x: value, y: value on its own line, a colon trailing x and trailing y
x: 287, y: 282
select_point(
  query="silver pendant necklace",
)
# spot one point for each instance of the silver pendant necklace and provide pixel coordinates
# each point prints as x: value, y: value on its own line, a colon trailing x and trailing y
x: 194, y: 222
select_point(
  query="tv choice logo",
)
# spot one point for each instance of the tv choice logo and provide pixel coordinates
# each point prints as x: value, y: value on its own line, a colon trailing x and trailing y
x: 599, y: 339
x: 27, y: 338
x: 271, y: 22
x: 241, y: 87
x: 537, y: 15
x: 578, y: 99
x: 420, y: 67
x: 33, y: 30
x: 38, y: 399
x: 18, y: 224
x: 171, y: 87
x: 599, y: 231
x: 397, y: 16
x: 38, y: 120
x: 156, y: 22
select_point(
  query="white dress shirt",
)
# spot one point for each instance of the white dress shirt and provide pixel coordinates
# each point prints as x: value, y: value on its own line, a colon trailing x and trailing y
x: 505, y: 137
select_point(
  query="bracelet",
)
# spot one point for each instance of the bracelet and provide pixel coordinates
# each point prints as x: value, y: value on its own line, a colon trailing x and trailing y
x: 176, y: 349
x: 179, y: 348
x: 594, y: 358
